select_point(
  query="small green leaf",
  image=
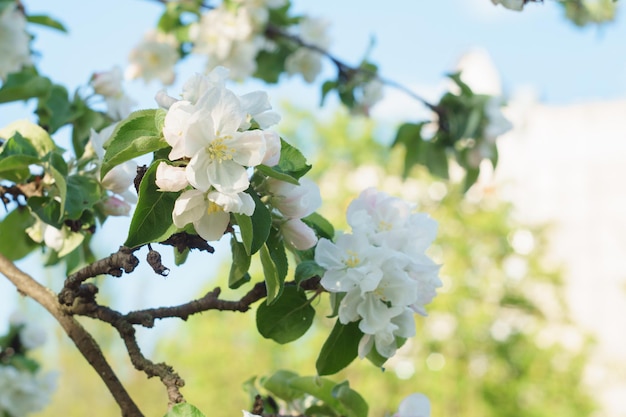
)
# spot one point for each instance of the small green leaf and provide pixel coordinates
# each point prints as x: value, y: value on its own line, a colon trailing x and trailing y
x: 322, y: 227
x: 436, y: 159
x: 273, y: 282
x: 287, y: 318
x: 82, y: 193
x: 292, y: 162
x: 273, y: 172
x: 239, y: 268
x: 14, y: 225
x: 54, y: 110
x: 24, y: 85
x: 308, y: 269
x: 327, y: 87
x: 38, y: 138
x: 180, y: 257
x: 278, y: 384
x: 320, y: 388
x: 340, y: 348
x: 135, y: 136
x: 184, y: 410
x: 47, y: 209
x: 16, y: 167
x: 354, y: 404
x: 152, y: 220
x: 277, y: 252
x: 57, y: 168
x: 254, y: 230
x: 47, y: 21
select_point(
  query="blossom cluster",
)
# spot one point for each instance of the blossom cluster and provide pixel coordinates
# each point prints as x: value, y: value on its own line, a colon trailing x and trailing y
x: 231, y: 34
x: 154, y: 58
x: 23, y: 389
x: 215, y: 137
x: 14, y: 41
x: 381, y: 269
x: 305, y: 60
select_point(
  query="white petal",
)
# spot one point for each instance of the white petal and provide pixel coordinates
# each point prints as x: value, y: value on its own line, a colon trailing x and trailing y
x: 189, y: 207
x: 249, y: 147
x: 415, y: 405
x: 212, y: 226
x: 297, y: 234
x: 170, y: 178
x: 228, y: 177
x: 197, y: 171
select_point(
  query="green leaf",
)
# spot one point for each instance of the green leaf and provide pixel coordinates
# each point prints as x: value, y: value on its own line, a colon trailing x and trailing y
x: 47, y: 209
x: 57, y: 168
x: 184, y: 410
x: 275, y: 173
x: 322, y: 227
x: 180, y: 257
x: 287, y: 319
x: 470, y: 178
x: 239, y: 268
x: 270, y: 65
x: 255, y: 229
x: 273, y: 282
x: 340, y: 348
x: 16, y: 167
x: 308, y: 269
x: 320, y: 388
x: 24, y: 85
x: 38, y: 138
x: 54, y: 110
x: 354, y: 404
x: 436, y: 159
x: 277, y: 251
x: 292, y: 162
x: 14, y: 225
x: 152, y: 220
x: 278, y: 384
x: 47, y: 21
x: 135, y: 136
x: 82, y: 193
x: 327, y: 87
x: 85, y: 120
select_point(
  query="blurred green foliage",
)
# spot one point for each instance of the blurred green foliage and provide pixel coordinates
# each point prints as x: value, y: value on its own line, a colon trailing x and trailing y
x: 497, y: 341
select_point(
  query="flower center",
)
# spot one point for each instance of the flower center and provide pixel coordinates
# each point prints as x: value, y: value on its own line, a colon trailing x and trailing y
x: 352, y: 260
x: 384, y: 226
x: 213, y: 208
x: 219, y: 151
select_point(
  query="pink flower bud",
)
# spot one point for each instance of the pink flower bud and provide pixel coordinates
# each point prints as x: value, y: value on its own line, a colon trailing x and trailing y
x: 114, y: 206
x: 295, y: 201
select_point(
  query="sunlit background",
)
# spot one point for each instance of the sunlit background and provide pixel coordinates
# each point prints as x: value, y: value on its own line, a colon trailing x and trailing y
x: 530, y: 321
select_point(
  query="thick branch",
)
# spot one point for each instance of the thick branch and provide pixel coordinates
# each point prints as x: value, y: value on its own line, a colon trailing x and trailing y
x: 85, y: 343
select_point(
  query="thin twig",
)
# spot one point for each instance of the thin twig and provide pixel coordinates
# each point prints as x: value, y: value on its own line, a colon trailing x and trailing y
x: 85, y: 343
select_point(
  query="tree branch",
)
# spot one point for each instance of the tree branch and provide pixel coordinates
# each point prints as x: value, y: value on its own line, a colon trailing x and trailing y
x: 85, y: 343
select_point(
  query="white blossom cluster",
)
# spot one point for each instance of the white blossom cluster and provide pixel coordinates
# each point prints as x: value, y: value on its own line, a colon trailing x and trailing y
x: 231, y: 35
x: 108, y: 84
x: 23, y: 392
x: 213, y: 143
x: 382, y: 268
x: 14, y: 41
x: 154, y: 58
x: 306, y: 61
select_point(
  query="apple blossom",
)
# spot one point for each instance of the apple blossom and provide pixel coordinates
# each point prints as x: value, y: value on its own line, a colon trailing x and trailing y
x: 113, y: 206
x: 414, y: 405
x: 382, y: 269
x: 154, y: 58
x: 23, y: 392
x: 272, y: 151
x: 108, y: 83
x: 14, y: 41
x: 304, y: 61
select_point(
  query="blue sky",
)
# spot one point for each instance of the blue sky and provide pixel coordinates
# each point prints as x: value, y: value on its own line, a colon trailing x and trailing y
x: 417, y: 42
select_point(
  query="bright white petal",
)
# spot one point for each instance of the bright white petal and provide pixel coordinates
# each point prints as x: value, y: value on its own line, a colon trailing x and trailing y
x: 189, y: 207
x: 228, y: 177
x: 212, y: 226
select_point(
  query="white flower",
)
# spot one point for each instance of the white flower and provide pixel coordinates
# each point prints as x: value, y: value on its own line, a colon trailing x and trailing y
x: 248, y: 414
x: 297, y: 234
x: 257, y: 106
x: 170, y: 178
x: 510, y: 4
x: 294, y: 201
x: 305, y: 62
x: 219, y: 153
x: 208, y: 212
x: 314, y: 31
x: 22, y: 392
x: 415, y: 405
x: 113, y: 206
x: 108, y: 83
x: 119, y: 107
x: 14, y: 41
x: 154, y: 57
